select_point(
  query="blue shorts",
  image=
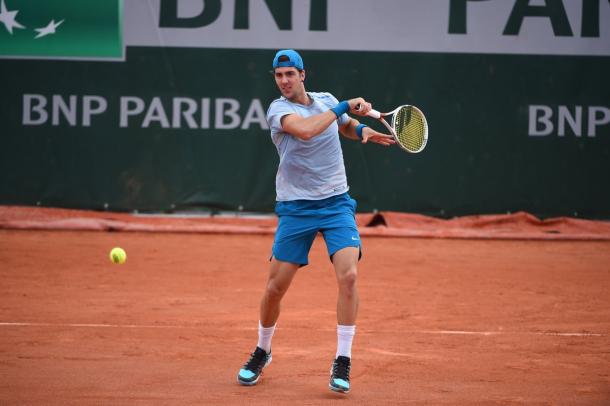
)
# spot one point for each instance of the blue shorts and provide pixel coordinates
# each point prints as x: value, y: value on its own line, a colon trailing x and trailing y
x: 301, y: 220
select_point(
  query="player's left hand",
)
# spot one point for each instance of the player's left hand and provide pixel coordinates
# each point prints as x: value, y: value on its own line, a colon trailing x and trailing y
x: 368, y: 134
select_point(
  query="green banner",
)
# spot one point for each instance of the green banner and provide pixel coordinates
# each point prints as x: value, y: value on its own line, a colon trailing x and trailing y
x: 181, y: 128
x: 72, y: 29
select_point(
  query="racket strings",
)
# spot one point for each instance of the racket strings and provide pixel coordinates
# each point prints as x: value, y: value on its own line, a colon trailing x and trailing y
x: 410, y: 127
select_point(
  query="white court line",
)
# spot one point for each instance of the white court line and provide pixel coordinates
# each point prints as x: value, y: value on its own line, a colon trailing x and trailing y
x: 436, y: 332
x: 492, y: 333
x: 19, y: 324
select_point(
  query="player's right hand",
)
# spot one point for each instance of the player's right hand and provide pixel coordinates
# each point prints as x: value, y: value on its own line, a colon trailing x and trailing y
x: 359, y: 106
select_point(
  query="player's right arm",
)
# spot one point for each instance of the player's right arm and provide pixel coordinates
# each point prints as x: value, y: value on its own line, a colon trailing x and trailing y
x: 306, y: 128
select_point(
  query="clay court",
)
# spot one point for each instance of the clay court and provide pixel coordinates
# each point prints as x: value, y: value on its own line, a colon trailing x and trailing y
x: 172, y: 129
x: 442, y: 321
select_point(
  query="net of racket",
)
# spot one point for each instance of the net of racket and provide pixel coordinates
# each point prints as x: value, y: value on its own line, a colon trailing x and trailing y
x: 409, y: 127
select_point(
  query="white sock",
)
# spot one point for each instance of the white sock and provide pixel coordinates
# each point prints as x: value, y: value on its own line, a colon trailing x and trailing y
x: 265, y: 334
x: 345, y: 335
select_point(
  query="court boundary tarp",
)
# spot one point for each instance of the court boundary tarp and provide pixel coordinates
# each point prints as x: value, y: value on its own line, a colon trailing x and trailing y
x: 518, y: 225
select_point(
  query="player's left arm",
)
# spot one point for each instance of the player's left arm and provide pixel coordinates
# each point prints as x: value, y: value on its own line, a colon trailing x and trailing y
x: 350, y: 130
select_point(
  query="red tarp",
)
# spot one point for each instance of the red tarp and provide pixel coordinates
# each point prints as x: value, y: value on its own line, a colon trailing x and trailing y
x: 388, y: 224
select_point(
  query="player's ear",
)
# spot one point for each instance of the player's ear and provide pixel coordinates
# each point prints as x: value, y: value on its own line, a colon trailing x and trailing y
x: 302, y: 73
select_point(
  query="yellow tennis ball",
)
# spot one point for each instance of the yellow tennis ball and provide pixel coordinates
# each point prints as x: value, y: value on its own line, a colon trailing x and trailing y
x: 118, y: 255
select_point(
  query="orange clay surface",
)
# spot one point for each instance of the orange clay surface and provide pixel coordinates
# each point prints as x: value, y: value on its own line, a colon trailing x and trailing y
x: 442, y: 322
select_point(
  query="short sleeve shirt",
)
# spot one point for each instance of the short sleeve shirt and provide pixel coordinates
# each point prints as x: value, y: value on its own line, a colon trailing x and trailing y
x: 312, y: 169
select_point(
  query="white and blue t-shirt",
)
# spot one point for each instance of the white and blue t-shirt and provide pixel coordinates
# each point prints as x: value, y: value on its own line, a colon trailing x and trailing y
x: 313, y: 169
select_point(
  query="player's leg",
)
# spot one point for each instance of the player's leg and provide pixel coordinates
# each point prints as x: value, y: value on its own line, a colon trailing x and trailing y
x: 343, y: 244
x: 280, y: 276
x: 345, y: 262
x: 293, y: 240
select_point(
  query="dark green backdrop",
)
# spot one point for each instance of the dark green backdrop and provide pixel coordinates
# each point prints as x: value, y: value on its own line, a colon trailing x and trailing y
x: 479, y: 158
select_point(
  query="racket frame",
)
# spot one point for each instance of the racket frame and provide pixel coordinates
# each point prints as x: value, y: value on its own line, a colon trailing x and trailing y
x: 392, y: 128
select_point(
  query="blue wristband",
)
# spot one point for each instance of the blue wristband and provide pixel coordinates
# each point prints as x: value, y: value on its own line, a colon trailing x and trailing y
x: 341, y: 108
x: 359, y: 130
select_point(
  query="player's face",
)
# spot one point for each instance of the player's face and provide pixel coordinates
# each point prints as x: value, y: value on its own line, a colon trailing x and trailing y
x: 290, y: 82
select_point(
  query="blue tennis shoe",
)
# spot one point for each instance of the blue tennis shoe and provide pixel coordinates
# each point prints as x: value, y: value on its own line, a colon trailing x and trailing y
x: 339, y: 374
x: 252, y: 369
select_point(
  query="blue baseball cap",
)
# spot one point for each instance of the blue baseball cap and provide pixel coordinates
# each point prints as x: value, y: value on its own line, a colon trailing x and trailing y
x: 294, y: 59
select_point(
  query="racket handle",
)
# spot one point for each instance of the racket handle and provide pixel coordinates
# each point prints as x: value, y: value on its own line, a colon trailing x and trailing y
x: 372, y: 113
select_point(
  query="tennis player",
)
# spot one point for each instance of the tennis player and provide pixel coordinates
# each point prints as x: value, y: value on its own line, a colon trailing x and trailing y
x: 312, y: 197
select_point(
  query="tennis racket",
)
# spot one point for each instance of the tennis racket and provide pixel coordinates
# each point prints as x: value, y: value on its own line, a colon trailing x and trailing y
x: 409, y: 127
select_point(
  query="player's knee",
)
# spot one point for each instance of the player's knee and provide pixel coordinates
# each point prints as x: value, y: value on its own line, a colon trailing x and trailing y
x: 275, y: 291
x: 347, y: 280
